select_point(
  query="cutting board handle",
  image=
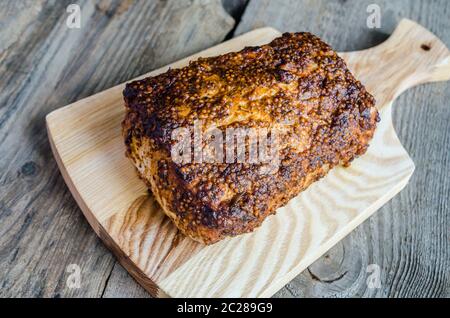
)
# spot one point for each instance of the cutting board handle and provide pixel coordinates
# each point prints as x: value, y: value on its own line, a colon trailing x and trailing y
x: 412, y: 55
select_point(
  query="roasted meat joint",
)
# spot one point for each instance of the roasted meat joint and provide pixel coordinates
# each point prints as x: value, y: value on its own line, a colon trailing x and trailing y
x: 225, y: 141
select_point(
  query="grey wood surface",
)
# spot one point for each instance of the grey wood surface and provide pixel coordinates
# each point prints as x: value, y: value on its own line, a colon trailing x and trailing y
x: 45, y: 65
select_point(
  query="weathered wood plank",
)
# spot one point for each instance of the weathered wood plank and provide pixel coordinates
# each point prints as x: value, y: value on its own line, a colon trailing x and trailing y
x: 46, y: 65
x: 408, y: 238
x: 122, y: 285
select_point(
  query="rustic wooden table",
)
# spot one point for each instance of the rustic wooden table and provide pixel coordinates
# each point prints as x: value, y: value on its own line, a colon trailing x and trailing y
x: 44, y: 65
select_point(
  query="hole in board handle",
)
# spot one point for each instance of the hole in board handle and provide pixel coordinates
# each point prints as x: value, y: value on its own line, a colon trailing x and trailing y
x: 425, y: 47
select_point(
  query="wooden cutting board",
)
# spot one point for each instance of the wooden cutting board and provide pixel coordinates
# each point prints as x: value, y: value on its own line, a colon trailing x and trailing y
x: 87, y: 143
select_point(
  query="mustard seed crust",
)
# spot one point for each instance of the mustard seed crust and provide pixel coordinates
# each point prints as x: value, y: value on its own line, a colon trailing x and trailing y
x: 295, y: 79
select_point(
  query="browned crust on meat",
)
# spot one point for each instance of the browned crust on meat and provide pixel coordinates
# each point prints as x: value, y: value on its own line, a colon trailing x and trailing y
x: 296, y: 78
